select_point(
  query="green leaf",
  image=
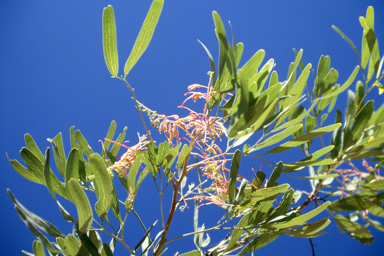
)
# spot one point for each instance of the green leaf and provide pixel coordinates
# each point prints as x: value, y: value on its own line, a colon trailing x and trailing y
x: 28, y: 220
x: 83, y: 143
x: 238, y: 231
x: 32, y: 218
x: 71, y: 245
x: 345, y: 85
x: 132, y: 176
x: 260, y: 241
x: 353, y: 229
x: 47, y: 174
x: 58, y: 153
x: 276, y: 138
x: 275, y: 175
x: 182, y: 157
x: 31, y: 145
x: 304, y: 138
x: 116, y: 146
x: 316, y: 177
x: 250, y: 68
x: 211, y: 62
x: 111, y: 132
x: 145, y: 35
x: 110, y: 41
x: 356, y: 127
x: 103, y: 184
x: 83, y: 207
x: 233, y: 175
x: 377, y: 184
x: 72, y: 167
x: 296, y: 91
x: 106, y: 251
x: 302, y: 219
x: 24, y: 172
x: 310, y: 230
x: 352, y: 203
x: 348, y: 40
x: 38, y: 248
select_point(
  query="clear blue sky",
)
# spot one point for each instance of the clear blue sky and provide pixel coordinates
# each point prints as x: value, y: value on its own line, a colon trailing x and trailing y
x: 53, y: 76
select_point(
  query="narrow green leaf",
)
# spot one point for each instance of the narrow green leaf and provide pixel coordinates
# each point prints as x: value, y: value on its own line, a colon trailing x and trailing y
x: 38, y: 248
x: 302, y: 219
x: 30, y: 225
x: 71, y: 245
x: 132, y: 176
x: 83, y: 143
x: 211, y: 63
x: 24, y: 172
x: 275, y: 175
x: 356, y: 127
x: 32, y: 218
x: 304, y: 138
x: 250, y: 68
x: 59, y: 153
x: 237, y: 232
x: 31, y: 145
x: 110, y: 41
x: 116, y: 146
x: 315, y: 177
x: 145, y: 35
x: 345, y: 85
x: 353, y: 229
x: 83, y: 207
x: 103, y: 184
x: 352, y: 203
x: 106, y: 251
x: 310, y: 230
x: 72, y: 168
x: 110, y: 134
x: 277, y: 137
x: 348, y: 40
x: 233, y: 175
x: 260, y: 241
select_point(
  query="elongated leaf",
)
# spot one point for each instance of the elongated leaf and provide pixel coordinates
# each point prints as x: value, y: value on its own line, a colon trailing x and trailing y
x: 132, y: 176
x: 277, y: 137
x: 83, y: 207
x: 144, y: 237
x: 24, y: 172
x: 275, y: 175
x: 111, y: 132
x: 38, y: 222
x: 38, y: 248
x: 352, y: 203
x: 103, y: 184
x: 22, y: 214
x: 304, y: 138
x: 110, y: 41
x: 316, y: 177
x: 348, y: 40
x: 83, y: 143
x: 31, y: 145
x: 353, y: 229
x: 59, y: 153
x: 302, y: 219
x: 237, y: 232
x: 233, y: 175
x: 48, y: 173
x: 260, y: 241
x: 145, y: 35
x: 345, y: 85
x: 72, y: 168
x: 211, y: 63
x: 310, y: 230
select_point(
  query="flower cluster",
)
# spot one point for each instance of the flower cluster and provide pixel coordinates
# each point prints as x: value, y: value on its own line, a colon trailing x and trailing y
x: 127, y: 159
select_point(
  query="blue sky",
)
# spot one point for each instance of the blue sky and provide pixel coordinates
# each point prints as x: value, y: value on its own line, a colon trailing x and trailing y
x: 54, y: 76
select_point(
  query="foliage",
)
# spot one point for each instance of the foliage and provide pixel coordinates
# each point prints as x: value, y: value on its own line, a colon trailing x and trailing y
x: 241, y: 104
